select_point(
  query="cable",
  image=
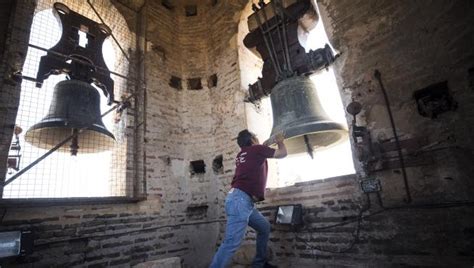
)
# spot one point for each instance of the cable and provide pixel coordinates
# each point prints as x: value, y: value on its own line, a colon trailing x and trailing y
x: 128, y: 232
x: 355, y: 233
x: 360, y: 217
x: 111, y: 34
x: 420, y: 206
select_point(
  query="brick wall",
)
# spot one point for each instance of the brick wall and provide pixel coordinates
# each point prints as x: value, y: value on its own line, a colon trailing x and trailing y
x: 413, y: 44
x: 102, y: 235
x: 6, y: 8
x: 193, y: 124
x: 12, y: 58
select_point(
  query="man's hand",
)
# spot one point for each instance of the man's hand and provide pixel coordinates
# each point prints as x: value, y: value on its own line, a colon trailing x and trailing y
x: 281, y: 151
x: 279, y: 138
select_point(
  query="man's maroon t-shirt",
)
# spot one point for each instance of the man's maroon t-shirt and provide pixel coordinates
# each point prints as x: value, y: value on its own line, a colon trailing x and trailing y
x: 251, y: 170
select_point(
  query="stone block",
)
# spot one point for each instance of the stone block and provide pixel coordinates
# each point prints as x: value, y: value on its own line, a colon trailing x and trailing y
x: 173, y: 262
x: 246, y: 253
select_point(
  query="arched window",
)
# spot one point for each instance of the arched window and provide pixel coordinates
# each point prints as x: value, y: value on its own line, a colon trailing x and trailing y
x: 331, y: 162
x: 86, y: 174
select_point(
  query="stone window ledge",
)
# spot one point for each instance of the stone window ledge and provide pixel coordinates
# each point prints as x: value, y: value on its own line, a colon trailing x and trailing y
x: 76, y: 201
x: 343, y: 178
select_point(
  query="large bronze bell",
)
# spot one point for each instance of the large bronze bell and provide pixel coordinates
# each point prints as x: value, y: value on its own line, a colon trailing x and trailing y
x: 297, y: 112
x: 75, y: 105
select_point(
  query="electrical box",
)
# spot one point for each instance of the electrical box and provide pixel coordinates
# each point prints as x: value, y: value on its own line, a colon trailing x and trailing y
x: 370, y: 185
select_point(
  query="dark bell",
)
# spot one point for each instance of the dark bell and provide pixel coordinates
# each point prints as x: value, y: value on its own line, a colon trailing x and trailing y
x: 75, y: 105
x: 297, y: 112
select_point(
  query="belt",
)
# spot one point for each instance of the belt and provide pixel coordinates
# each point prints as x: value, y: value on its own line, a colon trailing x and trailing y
x: 252, y: 197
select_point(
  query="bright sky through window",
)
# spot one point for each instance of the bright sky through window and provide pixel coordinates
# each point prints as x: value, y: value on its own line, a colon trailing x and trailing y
x: 82, y: 39
x: 331, y: 162
x: 60, y: 174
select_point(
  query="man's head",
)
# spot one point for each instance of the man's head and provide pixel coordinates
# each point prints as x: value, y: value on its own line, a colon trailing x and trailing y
x: 246, y: 138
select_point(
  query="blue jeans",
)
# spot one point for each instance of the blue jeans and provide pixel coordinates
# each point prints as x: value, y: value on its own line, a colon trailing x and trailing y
x: 241, y: 212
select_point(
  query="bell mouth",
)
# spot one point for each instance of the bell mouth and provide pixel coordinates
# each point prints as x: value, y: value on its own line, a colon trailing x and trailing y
x: 318, y: 136
x: 75, y: 105
x: 94, y: 139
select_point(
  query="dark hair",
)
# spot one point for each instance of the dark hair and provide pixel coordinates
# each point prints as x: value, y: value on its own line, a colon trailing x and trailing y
x: 245, y: 138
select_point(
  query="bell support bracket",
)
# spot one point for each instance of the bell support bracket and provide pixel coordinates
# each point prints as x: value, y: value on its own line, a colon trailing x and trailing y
x: 273, y: 36
x: 83, y: 58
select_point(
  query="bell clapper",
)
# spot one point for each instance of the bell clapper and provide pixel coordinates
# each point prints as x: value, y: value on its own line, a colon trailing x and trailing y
x: 75, y: 142
x: 309, y: 148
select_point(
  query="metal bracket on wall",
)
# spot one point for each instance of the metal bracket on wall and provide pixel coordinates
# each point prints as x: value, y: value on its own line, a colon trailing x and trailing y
x: 378, y: 156
x: 384, y: 154
x: 274, y: 35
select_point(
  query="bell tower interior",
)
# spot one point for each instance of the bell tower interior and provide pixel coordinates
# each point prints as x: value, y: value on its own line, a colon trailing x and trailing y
x: 119, y: 123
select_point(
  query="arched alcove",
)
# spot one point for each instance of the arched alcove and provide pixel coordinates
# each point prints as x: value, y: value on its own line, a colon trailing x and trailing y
x: 62, y: 175
x: 331, y: 162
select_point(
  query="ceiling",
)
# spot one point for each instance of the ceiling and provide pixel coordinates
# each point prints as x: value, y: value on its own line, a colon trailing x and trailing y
x: 137, y: 4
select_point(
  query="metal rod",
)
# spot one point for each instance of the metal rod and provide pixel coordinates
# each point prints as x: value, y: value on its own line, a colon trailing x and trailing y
x: 141, y: 75
x: 28, y: 78
x: 288, y: 14
x: 111, y: 34
x: 270, y: 28
x: 127, y: 7
x: 32, y: 164
x: 278, y: 10
x: 143, y: 78
x: 265, y: 40
x: 55, y: 148
x: 378, y: 76
x: 285, y: 38
x: 135, y: 189
x: 278, y: 21
x: 79, y: 60
x: 271, y: 38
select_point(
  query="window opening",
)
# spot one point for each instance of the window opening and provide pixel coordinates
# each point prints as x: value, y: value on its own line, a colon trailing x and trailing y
x: 167, y: 4
x: 331, y: 162
x: 217, y: 164
x: 62, y: 175
x: 197, y: 167
x: 212, y: 81
x: 82, y: 38
x: 190, y: 10
x: 175, y: 82
x: 194, y: 83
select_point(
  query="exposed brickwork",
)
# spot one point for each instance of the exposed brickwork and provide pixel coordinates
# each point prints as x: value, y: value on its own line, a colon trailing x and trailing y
x: 12, y: 58
x: 6, y: 9
x: 387, y: 237
x: 413, y: 44
x: 192, y: 124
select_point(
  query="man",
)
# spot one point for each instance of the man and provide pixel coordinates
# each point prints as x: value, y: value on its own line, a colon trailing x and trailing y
x: 248, y: 186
